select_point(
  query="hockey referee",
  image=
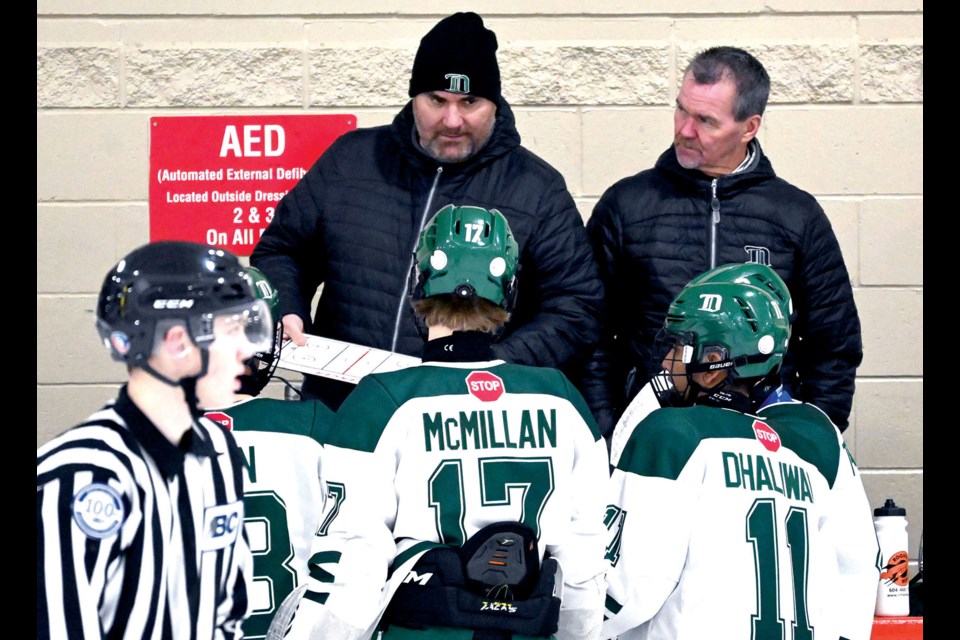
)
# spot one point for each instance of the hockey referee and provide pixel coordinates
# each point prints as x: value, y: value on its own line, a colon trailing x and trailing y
x: 139, y: 508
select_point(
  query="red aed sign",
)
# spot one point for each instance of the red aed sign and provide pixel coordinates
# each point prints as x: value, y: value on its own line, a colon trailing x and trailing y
x: 485, y: 386
x: 220, y: 418
x: 767, y: 436
x: 217, y: 179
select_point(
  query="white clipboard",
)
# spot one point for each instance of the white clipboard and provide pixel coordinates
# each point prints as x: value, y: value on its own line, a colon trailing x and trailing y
x: 340, y: 360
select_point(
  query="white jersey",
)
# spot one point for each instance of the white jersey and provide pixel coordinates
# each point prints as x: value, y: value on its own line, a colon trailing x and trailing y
x: 284, y: 495
x: 436, y: 452
x: 737, y: 526
x: 646, y: 402
x: 642, y: 405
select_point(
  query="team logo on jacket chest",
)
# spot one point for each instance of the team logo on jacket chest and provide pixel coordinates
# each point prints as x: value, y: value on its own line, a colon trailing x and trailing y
x: 484, y: 386
x: 766, y: 436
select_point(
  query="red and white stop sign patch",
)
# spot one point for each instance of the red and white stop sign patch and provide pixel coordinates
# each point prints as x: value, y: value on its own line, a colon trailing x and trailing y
x: 484, y: 385
x: 220, y: 418
x: 767, y: 436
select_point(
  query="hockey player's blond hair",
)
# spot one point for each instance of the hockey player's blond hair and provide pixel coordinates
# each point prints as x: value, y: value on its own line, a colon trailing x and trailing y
x: 461, y: 314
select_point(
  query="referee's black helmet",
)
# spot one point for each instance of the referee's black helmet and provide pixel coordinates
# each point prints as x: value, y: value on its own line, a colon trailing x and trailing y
x: 165, y: 283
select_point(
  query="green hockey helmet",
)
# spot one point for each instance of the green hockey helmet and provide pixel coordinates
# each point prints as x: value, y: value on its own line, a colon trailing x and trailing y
x: 264, y: 363
x: 742, y: 323
x: 759, y: 275
x: 263, y: 290
x: 468, y: 251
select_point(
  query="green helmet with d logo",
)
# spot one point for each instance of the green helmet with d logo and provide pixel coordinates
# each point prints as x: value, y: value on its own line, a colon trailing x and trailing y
x: 743, y: 323
x: 759, y: 275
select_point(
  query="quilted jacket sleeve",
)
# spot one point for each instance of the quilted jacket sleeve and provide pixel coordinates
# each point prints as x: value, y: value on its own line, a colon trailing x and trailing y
x: 561, y: 301
x: 287, y: 252
x: 827, y: 326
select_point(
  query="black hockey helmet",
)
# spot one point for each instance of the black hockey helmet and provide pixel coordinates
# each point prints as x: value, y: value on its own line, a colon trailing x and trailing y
x: 165, y: 283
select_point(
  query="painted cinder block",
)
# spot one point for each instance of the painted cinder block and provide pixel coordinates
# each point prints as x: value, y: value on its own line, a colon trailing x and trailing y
x: 78, y: 76
x: 93, y: 155
x: 195, y: 77
x: 69, y: 349
x: 622, y: 142
x: 844, y: 151
x: 539, y: 130
x: 60, y: 407
x: 77, y: 243
x: 891, y: 241
x: 892, y: 324
x: 889, y: 423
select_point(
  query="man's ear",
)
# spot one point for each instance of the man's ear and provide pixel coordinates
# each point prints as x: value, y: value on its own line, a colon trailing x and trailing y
x: 713, y: 378
x: 710, y: 379
x: 176, y: 341
x: 751, y: 127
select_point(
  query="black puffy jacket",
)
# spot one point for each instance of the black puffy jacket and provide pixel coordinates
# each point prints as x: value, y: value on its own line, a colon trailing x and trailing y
x: 655, y: 231
x: 352, y: 224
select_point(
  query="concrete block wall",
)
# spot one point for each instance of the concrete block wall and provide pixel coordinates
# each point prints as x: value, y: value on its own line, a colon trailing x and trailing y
x: 592, y: 84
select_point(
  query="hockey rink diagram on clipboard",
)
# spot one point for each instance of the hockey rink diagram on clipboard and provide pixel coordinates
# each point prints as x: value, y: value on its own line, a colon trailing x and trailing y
x: 340, y: 360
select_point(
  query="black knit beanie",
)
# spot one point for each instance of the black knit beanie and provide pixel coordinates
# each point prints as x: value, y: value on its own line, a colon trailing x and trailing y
x: 458, y: 55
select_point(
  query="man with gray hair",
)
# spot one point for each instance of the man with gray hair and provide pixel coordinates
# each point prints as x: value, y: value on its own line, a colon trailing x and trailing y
x: 714, y: 198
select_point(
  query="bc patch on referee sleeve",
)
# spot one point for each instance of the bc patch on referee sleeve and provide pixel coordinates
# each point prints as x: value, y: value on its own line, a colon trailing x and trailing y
x: 221, y: 525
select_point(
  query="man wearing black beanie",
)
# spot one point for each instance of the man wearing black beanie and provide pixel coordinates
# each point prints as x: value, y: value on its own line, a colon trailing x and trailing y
x: 352, y: 222
x: 455, y: 86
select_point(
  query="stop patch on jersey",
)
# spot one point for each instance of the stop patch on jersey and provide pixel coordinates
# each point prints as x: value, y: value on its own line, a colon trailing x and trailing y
x: 98, y: 510
x: 769, y: 438
x: 484, y: 386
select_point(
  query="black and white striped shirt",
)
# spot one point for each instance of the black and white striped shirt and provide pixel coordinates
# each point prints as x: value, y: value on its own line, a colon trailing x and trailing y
x: 137, y: 537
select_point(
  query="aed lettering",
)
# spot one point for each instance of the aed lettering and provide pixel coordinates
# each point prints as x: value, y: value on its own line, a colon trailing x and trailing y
x: 253, y: 141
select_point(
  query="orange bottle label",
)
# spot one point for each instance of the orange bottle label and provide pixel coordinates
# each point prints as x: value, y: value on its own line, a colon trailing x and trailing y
x: 896, y: 570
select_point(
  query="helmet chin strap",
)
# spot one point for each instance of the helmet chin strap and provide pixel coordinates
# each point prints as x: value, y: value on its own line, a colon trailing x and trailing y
x: 159, y: 376
x: 188, y: 384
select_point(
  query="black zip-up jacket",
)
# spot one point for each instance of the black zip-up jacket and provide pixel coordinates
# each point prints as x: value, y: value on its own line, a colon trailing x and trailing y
x: 655, y: 231
x: 352, y: 224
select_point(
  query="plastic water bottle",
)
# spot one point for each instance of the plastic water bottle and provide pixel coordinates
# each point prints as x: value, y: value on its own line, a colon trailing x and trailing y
x: 893, y: 592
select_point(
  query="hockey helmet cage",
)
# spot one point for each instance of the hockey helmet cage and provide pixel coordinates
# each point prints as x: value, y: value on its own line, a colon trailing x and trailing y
x: 169, y: 282
x: 468, y: 251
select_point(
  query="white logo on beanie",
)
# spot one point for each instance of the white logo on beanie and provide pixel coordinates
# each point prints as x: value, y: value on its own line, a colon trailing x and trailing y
x: 458, y: 83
